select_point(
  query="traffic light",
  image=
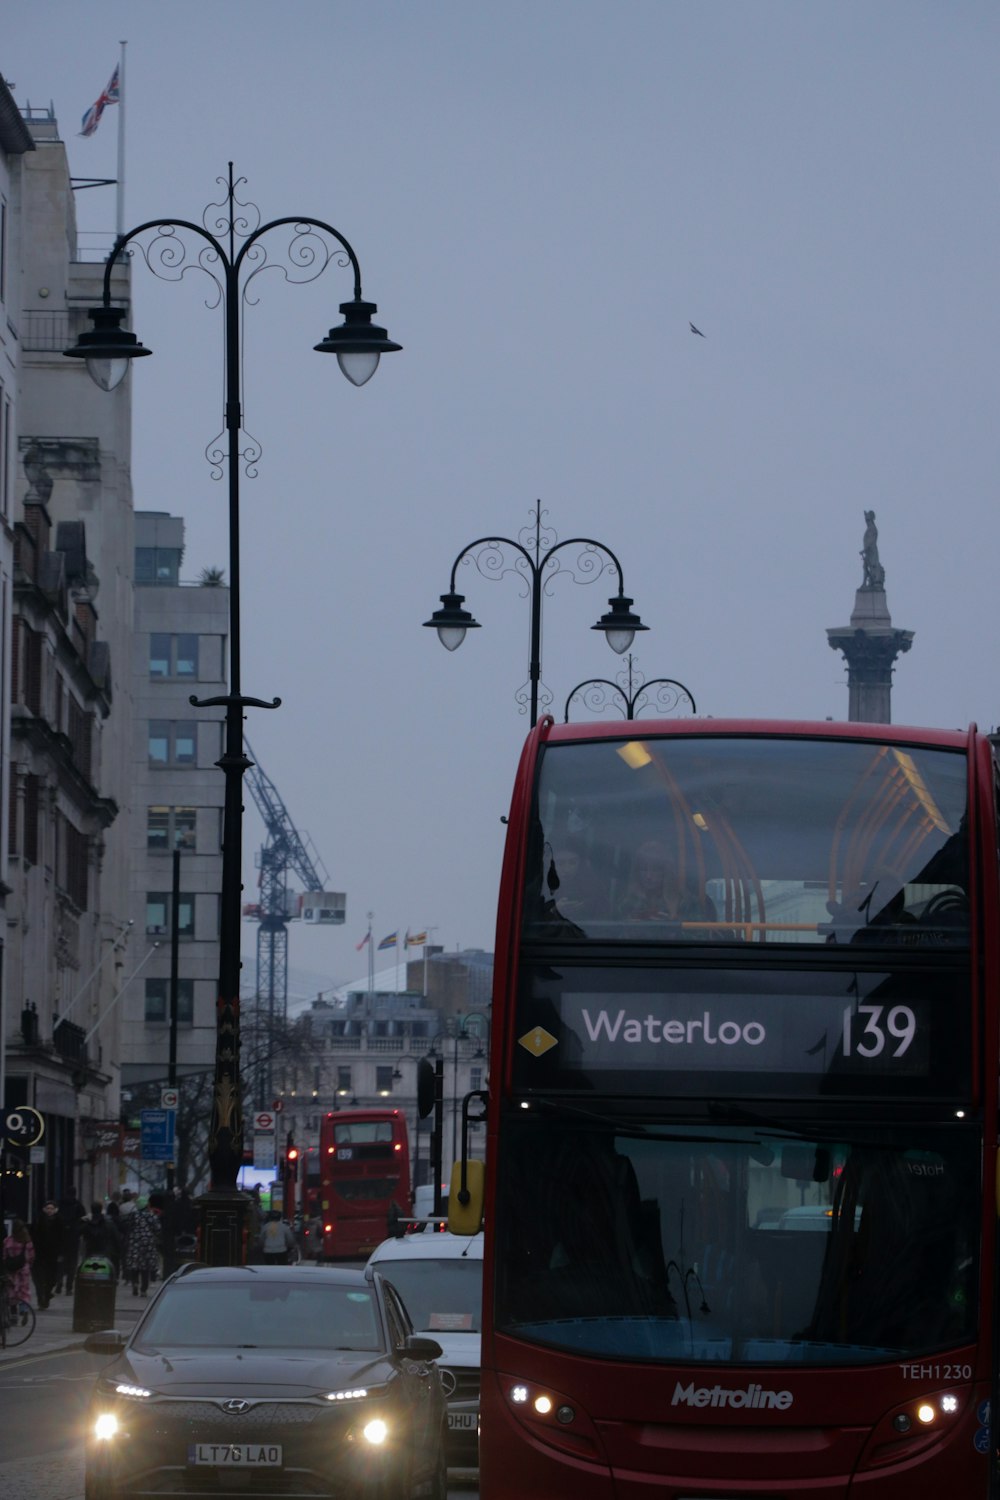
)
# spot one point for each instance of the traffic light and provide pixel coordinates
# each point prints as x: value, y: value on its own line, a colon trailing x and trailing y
x: 291, y: 1158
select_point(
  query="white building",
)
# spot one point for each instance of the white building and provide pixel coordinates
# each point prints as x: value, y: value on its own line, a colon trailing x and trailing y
x: 181, y: 631
x: 68, y: 949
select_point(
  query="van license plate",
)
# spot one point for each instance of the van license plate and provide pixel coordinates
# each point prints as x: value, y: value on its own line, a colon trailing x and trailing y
x: 236, y: 1455
x: 462, y: 1421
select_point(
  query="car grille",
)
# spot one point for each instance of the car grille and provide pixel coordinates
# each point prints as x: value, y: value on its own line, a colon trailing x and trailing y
x: 261, y: 1416
x: 466, y: 1385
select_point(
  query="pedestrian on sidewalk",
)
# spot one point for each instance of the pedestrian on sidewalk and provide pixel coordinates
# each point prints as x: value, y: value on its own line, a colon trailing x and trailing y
x: 98, y: 1236
x: 18, y: 1254
x: 48, y: 1235
x: 73, y: 1214
x: 142, y: 1257
x: 277, y: 1242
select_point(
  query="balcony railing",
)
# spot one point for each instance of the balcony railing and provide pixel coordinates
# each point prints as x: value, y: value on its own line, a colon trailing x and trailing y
x: 45, y: 332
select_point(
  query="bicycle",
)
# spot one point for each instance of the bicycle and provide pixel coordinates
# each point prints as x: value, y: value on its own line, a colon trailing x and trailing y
x: 17, y: 1317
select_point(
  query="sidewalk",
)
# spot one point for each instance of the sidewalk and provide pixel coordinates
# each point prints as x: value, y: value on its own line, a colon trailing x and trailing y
x: 54, y: 1325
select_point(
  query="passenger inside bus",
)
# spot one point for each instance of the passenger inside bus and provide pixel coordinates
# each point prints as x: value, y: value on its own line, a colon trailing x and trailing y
x: 574, y: 895
x: 658, y: 892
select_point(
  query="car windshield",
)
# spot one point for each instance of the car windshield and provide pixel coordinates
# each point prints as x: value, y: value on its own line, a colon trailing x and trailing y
x: 737, y: 1244
x: 441, y: 1296
x: 261, y: 1314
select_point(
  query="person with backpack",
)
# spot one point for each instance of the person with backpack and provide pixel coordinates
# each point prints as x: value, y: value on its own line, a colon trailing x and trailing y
x: 98, y: 1236
x: 277, y: 1242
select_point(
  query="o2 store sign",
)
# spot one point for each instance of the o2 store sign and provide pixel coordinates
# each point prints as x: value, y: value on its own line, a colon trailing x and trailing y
x: 777, y: 1034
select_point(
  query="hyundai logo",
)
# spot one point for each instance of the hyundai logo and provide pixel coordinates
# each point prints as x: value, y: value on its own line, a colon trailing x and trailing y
x: 449, y: 1382
x: 236, y: 1407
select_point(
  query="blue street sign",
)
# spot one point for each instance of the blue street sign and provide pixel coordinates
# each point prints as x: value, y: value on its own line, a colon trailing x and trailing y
x: 157, y: 1134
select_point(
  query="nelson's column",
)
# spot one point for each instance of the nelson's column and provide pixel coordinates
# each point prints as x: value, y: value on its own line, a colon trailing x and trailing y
x: 870, y: 643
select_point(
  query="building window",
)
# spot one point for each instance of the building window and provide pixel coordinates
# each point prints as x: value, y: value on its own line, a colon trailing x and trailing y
x: 157, y: 565
x: 158, y: 914
x: 169, y: 828
x: 78, y: 726
x: 172, y: 744
x: 158, y: 1001
x: 383, y: 1079
x: 343, y: 1080
x: 28, y: 666
x: 71, y: 862
x: 173, y: 655
x: 475, y: 1078
x: 30, y: 841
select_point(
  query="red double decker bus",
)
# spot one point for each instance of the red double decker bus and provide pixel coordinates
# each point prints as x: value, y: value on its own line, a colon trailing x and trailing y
x: 741, y: 1177
x: 364, y: 1175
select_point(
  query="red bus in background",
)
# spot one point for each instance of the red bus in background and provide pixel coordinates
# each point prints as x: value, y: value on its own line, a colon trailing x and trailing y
x: 364, y: 1173
x: 741, y: 1171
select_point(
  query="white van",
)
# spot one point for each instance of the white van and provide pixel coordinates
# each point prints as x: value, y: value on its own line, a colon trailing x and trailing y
x: 423, y: 1200
x: 440, y: 1279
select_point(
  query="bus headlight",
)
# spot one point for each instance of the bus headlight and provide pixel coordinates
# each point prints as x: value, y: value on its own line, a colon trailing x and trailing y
x: 375, y: 1432
x: 106, y: 1426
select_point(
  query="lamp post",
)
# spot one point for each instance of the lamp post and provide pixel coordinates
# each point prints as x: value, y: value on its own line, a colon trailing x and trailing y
x: 537, y: 561
x: 632, y: 693
x: 462, y: 1033
x: 232, y: 261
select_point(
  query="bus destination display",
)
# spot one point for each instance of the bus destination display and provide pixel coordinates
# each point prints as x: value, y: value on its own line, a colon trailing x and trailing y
x: 811, y: 1034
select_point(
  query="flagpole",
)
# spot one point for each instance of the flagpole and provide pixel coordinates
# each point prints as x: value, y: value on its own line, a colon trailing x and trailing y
x: 120, y: 193
x: 427, y: 931
x: 371, y: 957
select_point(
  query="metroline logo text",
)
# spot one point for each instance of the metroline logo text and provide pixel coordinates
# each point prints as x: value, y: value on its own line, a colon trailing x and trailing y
x: 675, y: 1033
x: 753, y: 1397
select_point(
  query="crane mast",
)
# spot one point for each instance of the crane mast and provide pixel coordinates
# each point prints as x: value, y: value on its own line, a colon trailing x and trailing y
x: 285, y: 851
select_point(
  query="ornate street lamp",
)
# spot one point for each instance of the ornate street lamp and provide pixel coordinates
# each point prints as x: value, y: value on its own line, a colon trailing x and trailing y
x: 536, y: 563
x: 632, y: 693
x: 232, y: 262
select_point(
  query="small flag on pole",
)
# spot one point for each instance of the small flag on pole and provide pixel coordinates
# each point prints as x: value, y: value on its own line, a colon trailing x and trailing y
x: 388, y: 942
x: 111, y: 95
x: 416, y: 939
x: 366, y: 939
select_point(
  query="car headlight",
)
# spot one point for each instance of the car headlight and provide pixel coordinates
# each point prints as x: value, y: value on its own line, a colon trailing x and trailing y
x: 105, y: 1426
x: 357, y: 1395
x: 132, y: 1392
x: 375, y: 1432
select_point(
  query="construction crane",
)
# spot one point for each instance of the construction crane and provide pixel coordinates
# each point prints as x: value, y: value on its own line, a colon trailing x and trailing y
x: 285, y: 851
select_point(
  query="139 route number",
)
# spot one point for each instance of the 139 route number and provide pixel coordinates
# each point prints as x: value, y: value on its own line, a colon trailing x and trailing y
x: 882, y: 1028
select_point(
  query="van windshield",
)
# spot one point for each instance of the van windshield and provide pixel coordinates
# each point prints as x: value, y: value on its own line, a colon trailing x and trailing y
x: 441, y: 1296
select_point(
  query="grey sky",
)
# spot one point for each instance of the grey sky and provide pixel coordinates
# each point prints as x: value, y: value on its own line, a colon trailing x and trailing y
x: 542, y: 196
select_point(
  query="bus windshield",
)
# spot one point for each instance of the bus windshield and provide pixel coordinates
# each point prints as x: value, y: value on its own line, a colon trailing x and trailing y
x: 736, y: 1244
x: 764, y: 840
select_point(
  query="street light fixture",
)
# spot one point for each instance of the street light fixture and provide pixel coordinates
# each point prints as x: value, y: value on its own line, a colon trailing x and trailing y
x: 108, y: 350
x: 632, y: 693
x: 536, y: 563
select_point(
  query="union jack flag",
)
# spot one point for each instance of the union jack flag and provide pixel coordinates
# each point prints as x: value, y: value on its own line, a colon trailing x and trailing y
x: 111, y: 95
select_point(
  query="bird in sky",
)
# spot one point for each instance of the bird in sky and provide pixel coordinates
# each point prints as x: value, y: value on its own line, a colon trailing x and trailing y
x: 696, y: 330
